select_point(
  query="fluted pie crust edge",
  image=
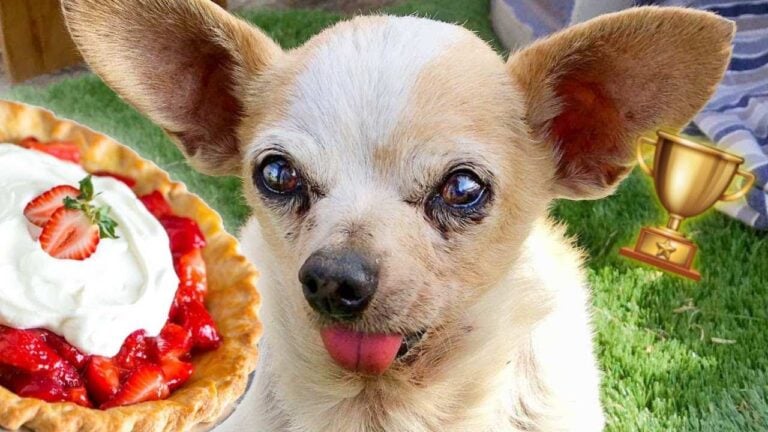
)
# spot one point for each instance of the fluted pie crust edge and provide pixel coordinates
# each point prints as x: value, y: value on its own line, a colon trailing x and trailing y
x: 220, y: 376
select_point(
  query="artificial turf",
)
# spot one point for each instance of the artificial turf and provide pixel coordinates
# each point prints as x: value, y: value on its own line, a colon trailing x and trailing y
x: 676, y: 355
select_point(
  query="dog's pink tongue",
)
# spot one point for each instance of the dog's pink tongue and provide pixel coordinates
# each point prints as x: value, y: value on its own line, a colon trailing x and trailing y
x: 369, y: 353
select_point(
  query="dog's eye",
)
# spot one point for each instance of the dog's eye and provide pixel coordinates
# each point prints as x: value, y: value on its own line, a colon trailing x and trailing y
x: 459, y: 200
x: 279, y: 176
x: 462, y: 189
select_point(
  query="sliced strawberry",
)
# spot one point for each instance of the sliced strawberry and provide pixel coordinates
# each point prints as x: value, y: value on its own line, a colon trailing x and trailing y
x: 37, y: 386
x: 29, y: 141
x: 193, y: 282
x: 40, y: 209
x: 66, y: 374
x: 176, y: 372
x: 193, y: 285
x: 26, y: 351
x: 69, y: 353
x: 156, y: 203
x: 135, y: 352
x: 184, y: 233
x: 69, y: 234
x: 174, y: 341
x: 64, y: 150
x: 125, y: 179
x: 31, y: 369
x: 8, y: 375
x: 78, y: 395
x: 194, y: 317
x: 102, y: 378
x: 146, y: 383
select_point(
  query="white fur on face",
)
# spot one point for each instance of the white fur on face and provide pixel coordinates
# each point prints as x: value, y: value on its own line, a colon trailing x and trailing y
x: 353, y: 90
x: 357, y: 84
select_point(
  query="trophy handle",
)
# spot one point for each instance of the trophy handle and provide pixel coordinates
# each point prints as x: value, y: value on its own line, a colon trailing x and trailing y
x: 749, y: 181
x: 643, y: 140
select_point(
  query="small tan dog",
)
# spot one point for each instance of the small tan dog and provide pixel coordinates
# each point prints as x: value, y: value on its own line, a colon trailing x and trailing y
x: 399, y: 173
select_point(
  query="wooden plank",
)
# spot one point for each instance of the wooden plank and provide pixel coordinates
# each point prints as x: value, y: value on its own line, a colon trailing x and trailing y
x: 35, y: 38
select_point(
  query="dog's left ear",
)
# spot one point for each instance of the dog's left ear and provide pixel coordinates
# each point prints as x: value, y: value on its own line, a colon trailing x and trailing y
x: 592, y: 89
x: 186, y: 64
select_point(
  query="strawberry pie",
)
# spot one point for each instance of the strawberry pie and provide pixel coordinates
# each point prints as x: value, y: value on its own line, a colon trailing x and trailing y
x: 124, y: 304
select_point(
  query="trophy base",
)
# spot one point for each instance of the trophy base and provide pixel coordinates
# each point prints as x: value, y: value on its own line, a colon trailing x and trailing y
x: 665, y: 249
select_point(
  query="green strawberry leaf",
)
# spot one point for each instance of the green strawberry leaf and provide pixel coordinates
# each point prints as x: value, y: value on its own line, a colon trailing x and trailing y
x: 98, y: 216
x: 106, y: 224
x: 72, y: 203
x: 86, y: 189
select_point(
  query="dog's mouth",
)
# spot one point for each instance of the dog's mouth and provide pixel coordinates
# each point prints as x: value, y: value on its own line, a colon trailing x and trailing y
x: 409, y: 342
x: 367, y: 353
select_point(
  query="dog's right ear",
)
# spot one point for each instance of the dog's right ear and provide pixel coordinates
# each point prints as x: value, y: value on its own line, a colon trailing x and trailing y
x: 183, y: 63
x: 593, y: 88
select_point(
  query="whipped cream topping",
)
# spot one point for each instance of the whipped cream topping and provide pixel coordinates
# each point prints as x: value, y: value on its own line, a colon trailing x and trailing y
x: 126, y: 285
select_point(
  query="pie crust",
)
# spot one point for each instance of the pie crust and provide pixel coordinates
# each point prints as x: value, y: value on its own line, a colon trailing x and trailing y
x: 221, y: 375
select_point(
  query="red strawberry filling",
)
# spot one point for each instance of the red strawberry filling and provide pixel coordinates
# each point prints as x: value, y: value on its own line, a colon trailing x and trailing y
x: 156, y: 204
x: 64, y: 150
x: 184, y: 233
x: 38, y: 363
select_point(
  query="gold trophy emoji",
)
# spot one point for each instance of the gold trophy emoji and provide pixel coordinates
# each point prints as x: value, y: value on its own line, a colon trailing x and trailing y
x: 689, y: 178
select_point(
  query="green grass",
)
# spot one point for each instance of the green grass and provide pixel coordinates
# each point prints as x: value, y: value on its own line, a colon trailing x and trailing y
x: 663, y: 372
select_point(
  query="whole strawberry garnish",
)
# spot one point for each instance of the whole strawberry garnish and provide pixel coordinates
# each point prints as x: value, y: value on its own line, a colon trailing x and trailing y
x: 75, y: 229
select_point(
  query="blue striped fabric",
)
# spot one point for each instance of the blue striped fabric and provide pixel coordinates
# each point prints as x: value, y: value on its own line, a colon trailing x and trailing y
x: 542, y: 16
x: 736, y: 118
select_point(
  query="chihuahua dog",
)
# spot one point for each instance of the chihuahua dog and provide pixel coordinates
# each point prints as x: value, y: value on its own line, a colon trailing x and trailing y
x: 400, y: 173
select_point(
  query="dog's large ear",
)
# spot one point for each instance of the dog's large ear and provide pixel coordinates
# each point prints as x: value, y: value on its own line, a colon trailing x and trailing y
x: 183, y: 63
x: 592, y: 89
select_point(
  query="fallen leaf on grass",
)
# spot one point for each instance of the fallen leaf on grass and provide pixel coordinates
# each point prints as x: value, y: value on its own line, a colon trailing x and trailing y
x: 722, y: 341
x: 688, y: 306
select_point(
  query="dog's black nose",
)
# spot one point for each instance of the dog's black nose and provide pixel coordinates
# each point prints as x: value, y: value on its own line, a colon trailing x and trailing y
x: 339, y: 283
